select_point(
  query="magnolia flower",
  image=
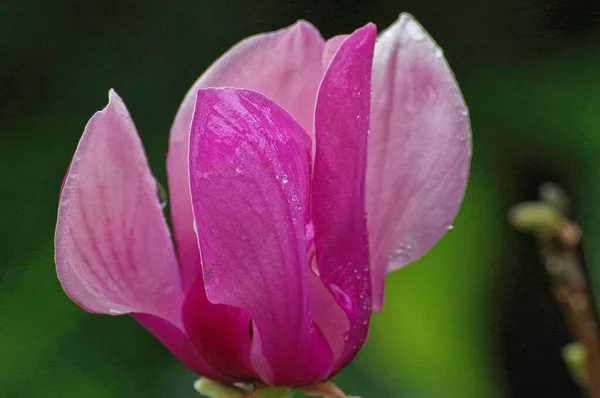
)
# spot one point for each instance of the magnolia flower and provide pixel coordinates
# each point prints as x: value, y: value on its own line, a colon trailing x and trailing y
x: 301, y: 171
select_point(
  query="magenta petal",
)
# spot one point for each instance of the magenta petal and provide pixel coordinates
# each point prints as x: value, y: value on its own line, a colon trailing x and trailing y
x: 286, y: 67
x: 249, y: 169
x: 113, y: 250
x: 338, y: 203
x: 181, y: 346
x: 221, y: 333
x: 419, y: 149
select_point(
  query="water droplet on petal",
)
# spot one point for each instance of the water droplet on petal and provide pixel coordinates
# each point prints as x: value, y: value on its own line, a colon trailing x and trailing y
x: 450, y: 227
x: 341, y: 297
x: 239, y: 168
x: 284, y: 179
x: 163, y: 198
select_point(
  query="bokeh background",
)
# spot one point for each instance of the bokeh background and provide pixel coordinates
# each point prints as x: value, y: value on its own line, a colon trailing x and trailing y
x: 474, y: 318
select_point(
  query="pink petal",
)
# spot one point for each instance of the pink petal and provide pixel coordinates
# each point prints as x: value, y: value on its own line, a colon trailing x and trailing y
x: 331, y: 47
x: 249, y: 169
x: 286, y: 67
x: 220, y: 333
x: 113, y: 250
x: 181, y: 346
x: 419, y: 149
x: 341, y: 127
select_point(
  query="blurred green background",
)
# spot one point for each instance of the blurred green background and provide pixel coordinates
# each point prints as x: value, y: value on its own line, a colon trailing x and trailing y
x: 474, y: 318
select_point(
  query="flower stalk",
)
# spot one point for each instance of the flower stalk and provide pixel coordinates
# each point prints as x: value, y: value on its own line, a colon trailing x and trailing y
x: 559, y: 239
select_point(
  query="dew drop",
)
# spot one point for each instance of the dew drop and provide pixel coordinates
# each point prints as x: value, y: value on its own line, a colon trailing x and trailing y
x: 163, y: 198
x: 450, y: 227
x: 239, y: 168
x: 284, y: 179
x: 341, y: 297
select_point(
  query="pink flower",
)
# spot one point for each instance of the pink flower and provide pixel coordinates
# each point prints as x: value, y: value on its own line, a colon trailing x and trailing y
x: 327, y: 165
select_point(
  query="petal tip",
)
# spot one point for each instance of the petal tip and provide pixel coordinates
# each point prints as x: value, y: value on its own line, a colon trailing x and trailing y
x: 305, y: 28
x: 113, y: 97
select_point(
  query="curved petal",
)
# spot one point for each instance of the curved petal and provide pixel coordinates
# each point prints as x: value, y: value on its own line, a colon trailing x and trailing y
x: 286, y: 67
x: 419, y: 149
x: 338, y: 202
x: 221, y: 333
x: 113, y: 250
x: 181, y: 346
x: 249, y: 179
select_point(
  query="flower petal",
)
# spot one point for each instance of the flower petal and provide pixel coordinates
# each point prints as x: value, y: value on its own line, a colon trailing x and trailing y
x: 221, y: 333
x: 286, y: 67
x: 113, y: 250
x: 338, y: 202
x: 419, y: 149
x: 181, y: 346
x: 249, y: 179
x: 331, y: 47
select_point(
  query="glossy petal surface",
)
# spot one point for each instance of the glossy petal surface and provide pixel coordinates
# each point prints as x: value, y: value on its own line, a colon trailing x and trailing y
x: 286, y: 67
x: 419, y: 149
x: 338, y: 203
x: 249, y: 178
x: 113, y: 250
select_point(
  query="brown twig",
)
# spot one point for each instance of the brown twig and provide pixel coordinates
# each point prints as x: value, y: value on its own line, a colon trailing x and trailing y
x: 559, y: 239
x: 570, y: 288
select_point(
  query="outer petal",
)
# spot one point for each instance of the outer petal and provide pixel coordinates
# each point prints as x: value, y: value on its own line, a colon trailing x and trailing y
x: 249, y: 178
x: 419, y: 149
x: 338, y: 203
x: 286, y: 67
x: 113, y: 250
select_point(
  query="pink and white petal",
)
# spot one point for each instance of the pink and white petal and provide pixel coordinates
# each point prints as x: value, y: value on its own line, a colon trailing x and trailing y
x: 338, y: 195
x: 250, y: 176
x: 113, y: 250
x: 286, y: 67
x: 182, y: 346
x: 419, y: 149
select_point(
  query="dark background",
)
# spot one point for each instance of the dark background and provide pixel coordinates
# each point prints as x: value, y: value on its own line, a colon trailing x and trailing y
x: 474, y: 318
